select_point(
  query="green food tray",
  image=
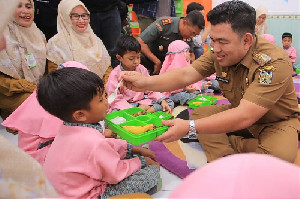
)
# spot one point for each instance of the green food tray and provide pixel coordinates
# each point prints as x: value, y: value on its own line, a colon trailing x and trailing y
x: 209, y: 101
x: 141, y: 120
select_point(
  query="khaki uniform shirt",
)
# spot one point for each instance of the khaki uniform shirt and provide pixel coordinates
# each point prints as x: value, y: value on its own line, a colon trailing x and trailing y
x: 160, y: 34
x: 263, y: 77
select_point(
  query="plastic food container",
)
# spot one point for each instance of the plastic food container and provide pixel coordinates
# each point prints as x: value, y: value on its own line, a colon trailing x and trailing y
x: 140, y: 120
x: 203, y: 100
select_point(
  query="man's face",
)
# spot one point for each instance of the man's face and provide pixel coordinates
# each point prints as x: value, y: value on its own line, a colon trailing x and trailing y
x: 229, y: 48
x: 189, y: 31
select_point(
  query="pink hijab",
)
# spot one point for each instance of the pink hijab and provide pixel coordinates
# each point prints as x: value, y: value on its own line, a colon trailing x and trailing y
x: 241, y: 176
x: 176, y: 56
x: 35, y: 125
x: 269, y: 37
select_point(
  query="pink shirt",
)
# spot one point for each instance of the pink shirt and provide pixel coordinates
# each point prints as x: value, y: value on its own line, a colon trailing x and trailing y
x: 125, y: 97
x: 35, y: 126
x: 81, y: 162
x: 292, y: 53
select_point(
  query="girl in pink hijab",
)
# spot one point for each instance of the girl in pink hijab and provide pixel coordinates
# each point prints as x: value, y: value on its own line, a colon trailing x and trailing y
x: 178, y: 56
x: 36, y: 127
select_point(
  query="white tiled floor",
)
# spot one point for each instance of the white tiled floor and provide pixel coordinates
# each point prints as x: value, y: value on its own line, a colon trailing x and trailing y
x: 169, y: 180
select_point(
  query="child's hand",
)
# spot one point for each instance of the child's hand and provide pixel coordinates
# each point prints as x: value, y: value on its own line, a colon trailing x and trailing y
x: 144, y: 152
x: 207, y: 84
x: 109, y: 133
x: 149, y: 161
x: 145, y: 107
x: 166, y: 107
x: 190, y: 89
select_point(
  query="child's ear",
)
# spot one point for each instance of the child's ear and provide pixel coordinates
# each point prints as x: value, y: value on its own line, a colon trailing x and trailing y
x: 119, y: 57
x: 80, y: 116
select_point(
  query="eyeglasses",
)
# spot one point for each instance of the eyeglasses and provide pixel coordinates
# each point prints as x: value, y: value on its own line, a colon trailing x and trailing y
x: 84, y: 16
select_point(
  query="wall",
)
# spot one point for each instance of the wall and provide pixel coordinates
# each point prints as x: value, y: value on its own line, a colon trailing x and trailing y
x: 279, y: 24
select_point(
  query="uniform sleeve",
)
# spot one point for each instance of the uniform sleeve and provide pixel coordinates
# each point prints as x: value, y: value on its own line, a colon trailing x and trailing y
x: 266, y: 95
x: 51, y: 66
x: 105, y: 163
x: 205, y: 64
x: 151, y: 33
x: 9, y: 85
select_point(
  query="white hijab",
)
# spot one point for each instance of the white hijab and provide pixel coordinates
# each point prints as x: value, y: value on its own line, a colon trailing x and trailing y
x: 21, y: 41
x: 262, y: 28
x: 69, y: 45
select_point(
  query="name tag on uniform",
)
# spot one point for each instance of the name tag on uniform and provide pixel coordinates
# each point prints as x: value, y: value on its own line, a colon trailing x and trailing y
x: 222, y: 79
x: 30, y: 60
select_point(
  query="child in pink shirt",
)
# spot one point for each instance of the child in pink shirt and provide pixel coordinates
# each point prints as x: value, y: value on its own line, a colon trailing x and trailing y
x: 178, y: 56
x: 36, y: 127
x: 128, y: 53
x: 81, y: 162
x: 287, y: 39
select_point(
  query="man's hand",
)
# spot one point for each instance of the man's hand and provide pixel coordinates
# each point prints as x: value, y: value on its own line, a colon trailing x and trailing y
x: 133, y: 80
x: 178, y: 129
x: 157, y: 67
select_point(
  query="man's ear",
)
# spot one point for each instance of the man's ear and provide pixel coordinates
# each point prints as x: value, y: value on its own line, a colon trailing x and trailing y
x: 247, y: 40
x: 80, y: 116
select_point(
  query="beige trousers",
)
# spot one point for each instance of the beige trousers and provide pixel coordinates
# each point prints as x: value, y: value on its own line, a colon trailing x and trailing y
x: 280, y: 139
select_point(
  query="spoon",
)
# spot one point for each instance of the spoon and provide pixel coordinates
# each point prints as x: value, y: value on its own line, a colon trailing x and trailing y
x: 113, y: 96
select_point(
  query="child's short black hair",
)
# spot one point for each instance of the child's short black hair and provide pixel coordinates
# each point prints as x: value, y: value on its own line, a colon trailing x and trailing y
x: 194, y: 6
x: 287, y: 34
x: 66, y: 90
x: 127, y: 43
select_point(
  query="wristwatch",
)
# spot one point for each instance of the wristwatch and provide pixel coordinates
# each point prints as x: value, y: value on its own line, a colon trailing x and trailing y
x: 192, y: 132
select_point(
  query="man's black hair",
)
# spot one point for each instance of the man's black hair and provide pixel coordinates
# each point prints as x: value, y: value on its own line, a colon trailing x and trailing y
x: 195, y: 18
x: 127, y: 43
x: 194, y: 6
x: 287, y: 34
x: 66, y: 90
x: 239, y: 14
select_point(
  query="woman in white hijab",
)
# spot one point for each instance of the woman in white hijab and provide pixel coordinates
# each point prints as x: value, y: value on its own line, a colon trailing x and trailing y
x: 76, y: 41
x: 20, y: 175
x: 23, y: 61
x: 261, y: 26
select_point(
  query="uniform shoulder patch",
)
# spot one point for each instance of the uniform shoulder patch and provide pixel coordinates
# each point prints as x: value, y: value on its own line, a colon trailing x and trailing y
x: 158, y: 26
x: 166, y: 21
x: 261, y: 58
x: 265, y: 77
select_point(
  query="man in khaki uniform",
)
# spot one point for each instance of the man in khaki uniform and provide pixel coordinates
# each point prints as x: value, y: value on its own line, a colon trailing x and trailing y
x: 254, y: 75
x: 156, y: 38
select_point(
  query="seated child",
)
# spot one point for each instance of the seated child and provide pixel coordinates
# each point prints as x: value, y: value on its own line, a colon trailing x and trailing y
x: 179, y: 56
x: 81, y: 162
x: 128, y: 53
x: 287, y: 39
x: 36, y: 127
